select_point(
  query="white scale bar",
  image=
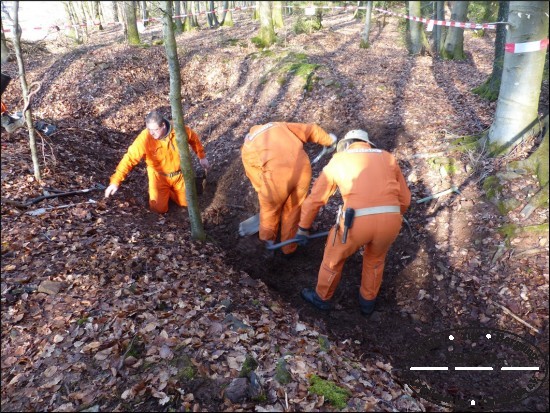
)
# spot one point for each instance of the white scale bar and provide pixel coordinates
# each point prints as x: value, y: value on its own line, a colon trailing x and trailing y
x: 429, y: 368
x: 520, y: 368
x: 473, y: 368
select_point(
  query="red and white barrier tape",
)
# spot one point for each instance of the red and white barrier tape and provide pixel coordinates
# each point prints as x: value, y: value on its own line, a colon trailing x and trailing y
x: 448, y: 23
x: 526, y: 47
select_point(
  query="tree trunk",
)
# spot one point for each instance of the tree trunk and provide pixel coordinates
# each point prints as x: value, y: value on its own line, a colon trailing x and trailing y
x: 278, y: 22
x: 364, y: 44
x: 438, y: 30
x: 4, y: 51
x: 197, y: 230
x: 490, y: 88
x: 211, y: 16
x: 144, y: 13
x: 25, y: 90
x: 227, y: 19
x: 517, y: 105
x: 267, y: 31
x: 132, y: 33
x: 453, y: 47
x: 178, y: 25
x: 74, y: 29
x: 418, y: 43
x: 97, y: 14
x: 115, y: 11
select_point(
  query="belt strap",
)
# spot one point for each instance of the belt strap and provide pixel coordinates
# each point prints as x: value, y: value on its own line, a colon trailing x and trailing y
x: 171, y: 174
x: 377, y: 210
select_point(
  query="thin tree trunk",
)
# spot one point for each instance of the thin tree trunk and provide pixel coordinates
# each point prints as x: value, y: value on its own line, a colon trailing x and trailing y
x: 97, y: 14
x: 144, y: 13
x: 132, y: 34
x: 364, y: 44
x: 178, y: 25
x: 4, y: 51
x: 278, y: 22
x: 418, y: 43
x: 115, y: 11
x: 453, y: 47
x: 267, y: 31
x: 197, y: 229
x: 25, y: 90
x: 517, y: 105
x: 491, y: 87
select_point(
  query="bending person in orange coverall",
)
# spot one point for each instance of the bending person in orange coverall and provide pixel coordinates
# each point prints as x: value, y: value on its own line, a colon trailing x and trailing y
x: 279, y: 169
x: 371, y: 183
x: 158, y: 145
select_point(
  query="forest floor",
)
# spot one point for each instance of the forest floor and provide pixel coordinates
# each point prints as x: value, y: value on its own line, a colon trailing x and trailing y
x: 107, y: 306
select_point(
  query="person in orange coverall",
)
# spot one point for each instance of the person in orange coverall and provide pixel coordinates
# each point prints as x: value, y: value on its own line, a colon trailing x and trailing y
x: 371, y: 183
x: 158, y: 144
x: 279, y: 169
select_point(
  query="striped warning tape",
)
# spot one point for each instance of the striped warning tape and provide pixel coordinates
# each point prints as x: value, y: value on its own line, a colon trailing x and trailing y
x: 526, y: 47
x: 448, y: 23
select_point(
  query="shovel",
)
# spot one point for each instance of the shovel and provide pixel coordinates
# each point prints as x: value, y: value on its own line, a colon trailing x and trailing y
x: 252, y: 225
x: 293, y: 240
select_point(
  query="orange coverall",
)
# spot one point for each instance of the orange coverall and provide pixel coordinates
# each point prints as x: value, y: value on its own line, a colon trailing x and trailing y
x: 279, y: 169
x: 162, y: 157
x: 365, y: 179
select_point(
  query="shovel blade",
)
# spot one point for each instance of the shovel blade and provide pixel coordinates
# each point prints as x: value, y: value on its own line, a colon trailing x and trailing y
x: 250, y: 226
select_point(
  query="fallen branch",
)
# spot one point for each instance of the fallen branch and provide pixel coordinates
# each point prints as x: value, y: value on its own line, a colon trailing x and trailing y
x: 439, y: 194
x: 525, y: 323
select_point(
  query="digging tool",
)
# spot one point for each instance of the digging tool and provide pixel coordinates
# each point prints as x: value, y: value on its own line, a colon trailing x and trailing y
x: 41, y: 211
x: 293, y: 240
x: 251, y: 225
x: 97, y: 187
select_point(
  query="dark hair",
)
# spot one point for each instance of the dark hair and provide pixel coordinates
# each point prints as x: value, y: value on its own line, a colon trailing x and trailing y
x: 154, y: 117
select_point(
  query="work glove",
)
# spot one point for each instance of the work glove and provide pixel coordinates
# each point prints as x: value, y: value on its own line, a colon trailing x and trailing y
x: 302, y: 236
x: 332, y: 147
x: 111, y: 189
x: 204, y: 163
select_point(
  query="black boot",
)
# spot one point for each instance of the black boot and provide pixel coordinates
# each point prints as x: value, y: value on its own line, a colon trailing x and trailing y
x: 311, y: 296
x: 367, y: 306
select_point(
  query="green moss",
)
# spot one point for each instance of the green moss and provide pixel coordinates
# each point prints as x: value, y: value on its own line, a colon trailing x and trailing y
x: 324, y: 344
x: 448, y: 164
x: 282, y: 374
x: 158, y: 42
x: 259, y: 42
x: 335, y: 395
x: 230, y: 42
x: 136, y: 349
x: 488, y: 90
x: 262, y: 398
x: 466, y: 143
x: 82, y: 320
x: 250, y: 364
x: 506, y: 205
x: 186, y: 369
x: 492, y: 187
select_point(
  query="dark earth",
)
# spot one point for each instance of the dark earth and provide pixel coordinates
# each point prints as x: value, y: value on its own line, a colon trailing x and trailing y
x: 442, y: 271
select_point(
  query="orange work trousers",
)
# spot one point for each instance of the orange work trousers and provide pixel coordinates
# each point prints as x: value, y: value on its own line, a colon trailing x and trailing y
x: 163, y: 188
x: 376, y: 232
x: 281, y: 198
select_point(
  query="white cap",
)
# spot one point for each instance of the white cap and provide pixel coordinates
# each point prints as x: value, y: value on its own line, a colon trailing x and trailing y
x: 356, y: 134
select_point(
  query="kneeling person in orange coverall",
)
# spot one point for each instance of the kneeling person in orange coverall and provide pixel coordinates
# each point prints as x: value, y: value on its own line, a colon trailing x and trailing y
x: 279, y: 169
x: 371, y: 183
x: 158, y: 145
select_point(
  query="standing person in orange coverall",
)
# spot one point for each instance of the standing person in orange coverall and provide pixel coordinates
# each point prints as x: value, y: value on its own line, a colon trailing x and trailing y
x: 371, y: 183
x: 158, y: 144
x: 279, y: 169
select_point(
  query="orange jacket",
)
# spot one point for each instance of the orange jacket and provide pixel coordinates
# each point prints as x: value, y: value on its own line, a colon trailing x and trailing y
x: 276, y: 148
x: 366, y: 178
x: 160, y: 155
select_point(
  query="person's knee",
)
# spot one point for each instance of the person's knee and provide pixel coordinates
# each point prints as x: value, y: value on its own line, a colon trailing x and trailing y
x: 157, y: 207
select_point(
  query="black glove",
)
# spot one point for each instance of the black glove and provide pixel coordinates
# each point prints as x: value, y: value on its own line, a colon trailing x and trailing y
x: 302, y: 236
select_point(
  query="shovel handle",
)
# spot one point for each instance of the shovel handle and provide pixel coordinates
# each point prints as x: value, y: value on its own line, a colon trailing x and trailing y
x: 293, y: 240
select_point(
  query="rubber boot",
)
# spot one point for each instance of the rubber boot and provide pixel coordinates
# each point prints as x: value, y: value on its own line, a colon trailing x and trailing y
x: 311, y: 296
x: 366, y: 306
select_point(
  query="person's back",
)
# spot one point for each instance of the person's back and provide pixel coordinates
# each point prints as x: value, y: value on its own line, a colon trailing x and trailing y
x: 365, y: 176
